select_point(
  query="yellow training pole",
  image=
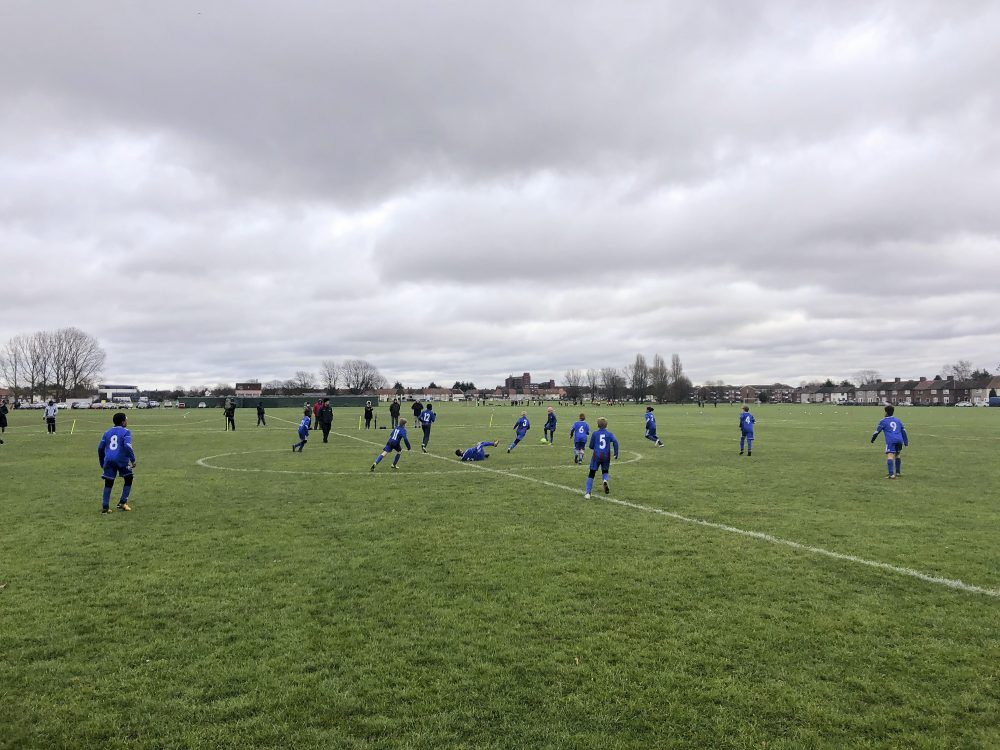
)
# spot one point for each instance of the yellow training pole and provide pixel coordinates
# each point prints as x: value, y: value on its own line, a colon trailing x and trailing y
x: 359, y: 422
x: 73, y: 427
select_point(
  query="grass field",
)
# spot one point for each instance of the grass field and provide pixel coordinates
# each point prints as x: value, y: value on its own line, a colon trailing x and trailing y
x: 259, y: 598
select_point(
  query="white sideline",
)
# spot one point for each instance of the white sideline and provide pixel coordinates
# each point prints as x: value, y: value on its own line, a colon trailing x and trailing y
x: 952, y: 583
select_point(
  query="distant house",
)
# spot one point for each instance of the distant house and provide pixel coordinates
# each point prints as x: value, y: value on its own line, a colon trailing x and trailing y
x: 249, y: 390
x: 866, y: 393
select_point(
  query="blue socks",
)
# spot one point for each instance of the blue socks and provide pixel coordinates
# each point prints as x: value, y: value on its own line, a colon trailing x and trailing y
x: 590, y: 484
x: 106, y: 499
x: 378, y: 459
x: 395, y: 459
x: 125, y: 493
x: 891, y: 466
x: 899, y: 465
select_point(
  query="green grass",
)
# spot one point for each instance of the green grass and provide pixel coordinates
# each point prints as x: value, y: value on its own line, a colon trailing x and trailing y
x: 291, y: 600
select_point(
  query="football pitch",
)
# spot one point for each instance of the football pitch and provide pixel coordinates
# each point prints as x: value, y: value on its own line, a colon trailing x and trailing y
x: 259, y: 598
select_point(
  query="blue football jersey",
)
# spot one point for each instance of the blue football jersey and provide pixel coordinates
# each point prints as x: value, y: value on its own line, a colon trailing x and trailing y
x: 115, y: 447
x: 650, y: 422
x: 522, y: 424
x: 427, y: 417
x: 579, y: 432
x: 747, y: 421
x: 892, y: 430
x: 550, y: 423
x: 601, y: 442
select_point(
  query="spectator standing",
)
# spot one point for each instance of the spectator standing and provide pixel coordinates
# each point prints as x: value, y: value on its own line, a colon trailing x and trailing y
x: 417, y: 408
x: 325, y: 417
x: 50, y: 417
x: 369, y: 413
x: 260, y: 414
x: 394, y: 412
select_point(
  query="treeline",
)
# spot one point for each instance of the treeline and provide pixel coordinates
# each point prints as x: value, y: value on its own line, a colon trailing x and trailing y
x: 58, y: 364
x: 354, y: 376
x: 638, y: 380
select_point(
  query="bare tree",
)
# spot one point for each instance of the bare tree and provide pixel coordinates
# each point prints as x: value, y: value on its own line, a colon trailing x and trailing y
x: 329, y: 375
x: 639, y: 378
x: 961, y: 370
x: 659, y: 379
x: 361, y: 376
x: 77, y: 358
x: 573, y: 380
x: 13, y: 362
x: 593, y: 378
x: 680, y: 384
x: 867, y: 377
x: 276, y: 387
x: 613, y: 383
x: 303, y: 380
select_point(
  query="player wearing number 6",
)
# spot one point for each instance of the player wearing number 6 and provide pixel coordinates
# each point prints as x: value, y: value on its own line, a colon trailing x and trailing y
x: 601, y: 442
x: 116, y: 457
x: 895, y: 438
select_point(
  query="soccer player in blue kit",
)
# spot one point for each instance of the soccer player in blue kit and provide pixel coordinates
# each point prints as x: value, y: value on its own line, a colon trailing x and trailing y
x: 396, y: 438
x: 549, y: 429
x: 651, y: 427
x: 426, y: 419
x: 746, y: 430
x: 477, y: 452
x: 521, y: 427
x: 303, y: 432
x: 895, y: 438
x: 116, y: 457
x: 578, y: 433
x: 601, y: 443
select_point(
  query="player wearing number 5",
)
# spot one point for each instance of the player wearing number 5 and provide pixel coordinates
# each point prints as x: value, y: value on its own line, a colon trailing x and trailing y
x: 895, y: 438
x: 601, y: 442
x: 116, y: 457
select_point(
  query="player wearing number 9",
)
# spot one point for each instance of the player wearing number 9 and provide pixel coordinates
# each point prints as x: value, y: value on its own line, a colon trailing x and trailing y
x: 895, y: 438
x: 116, y: 457
x: 601, y: 442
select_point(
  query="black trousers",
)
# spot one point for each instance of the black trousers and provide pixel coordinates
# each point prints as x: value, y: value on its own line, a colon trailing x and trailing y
x: 326, y: 432
x: 50, y: 424
x: 260, y: 420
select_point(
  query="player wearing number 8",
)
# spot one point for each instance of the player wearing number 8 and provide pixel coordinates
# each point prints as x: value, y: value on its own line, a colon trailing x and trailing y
x: 116, y: 457
x: 601, y: 442
x: 895, y: 438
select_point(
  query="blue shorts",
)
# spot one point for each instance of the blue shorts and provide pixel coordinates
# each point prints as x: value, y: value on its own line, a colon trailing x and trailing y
x: 389, y: 447
x: 113, y: 470
x: 894, y: 447
x: 580, y: 445
x: 521, y: 434
x: 604, y: 464
x: 747, y: 434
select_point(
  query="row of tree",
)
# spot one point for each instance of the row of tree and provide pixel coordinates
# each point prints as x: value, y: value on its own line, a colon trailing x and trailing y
x: 61, y: 364
x: 639, y: 380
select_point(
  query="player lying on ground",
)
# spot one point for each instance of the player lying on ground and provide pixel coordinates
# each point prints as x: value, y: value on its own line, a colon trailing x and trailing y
x: 476, y: 452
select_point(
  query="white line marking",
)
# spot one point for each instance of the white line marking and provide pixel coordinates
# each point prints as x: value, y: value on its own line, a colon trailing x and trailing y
x: 952, y: 583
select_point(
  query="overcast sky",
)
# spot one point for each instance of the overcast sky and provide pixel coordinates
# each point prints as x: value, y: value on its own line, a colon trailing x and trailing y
x: 464, y: 190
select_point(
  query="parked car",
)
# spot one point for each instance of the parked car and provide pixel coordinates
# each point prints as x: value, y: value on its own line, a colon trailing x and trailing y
x: 80, y: 405
x: 202, y: 405
x: 180, y: 405
x: 964, y: 403
x: 168, y: 404
x: 152, y: 404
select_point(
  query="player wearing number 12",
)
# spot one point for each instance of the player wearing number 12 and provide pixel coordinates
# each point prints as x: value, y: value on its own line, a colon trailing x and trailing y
x: 116, y: 457
x: 601, y: 442
x: 895, y: 438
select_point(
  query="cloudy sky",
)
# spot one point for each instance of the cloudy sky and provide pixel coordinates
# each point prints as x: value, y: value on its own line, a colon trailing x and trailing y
x: 463, y: 190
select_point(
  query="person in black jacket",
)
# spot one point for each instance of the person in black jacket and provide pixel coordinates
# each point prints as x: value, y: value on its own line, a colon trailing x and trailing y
x: 394, y: 412
x: 325, y: 417
x: 417, y: 408
x: 3, y: 418
x: 230, y: 412
x: 260, y: 414
x: 369, y: 413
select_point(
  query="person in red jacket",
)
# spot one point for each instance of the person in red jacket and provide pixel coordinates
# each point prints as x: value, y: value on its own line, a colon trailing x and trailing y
x: 316, y: 407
